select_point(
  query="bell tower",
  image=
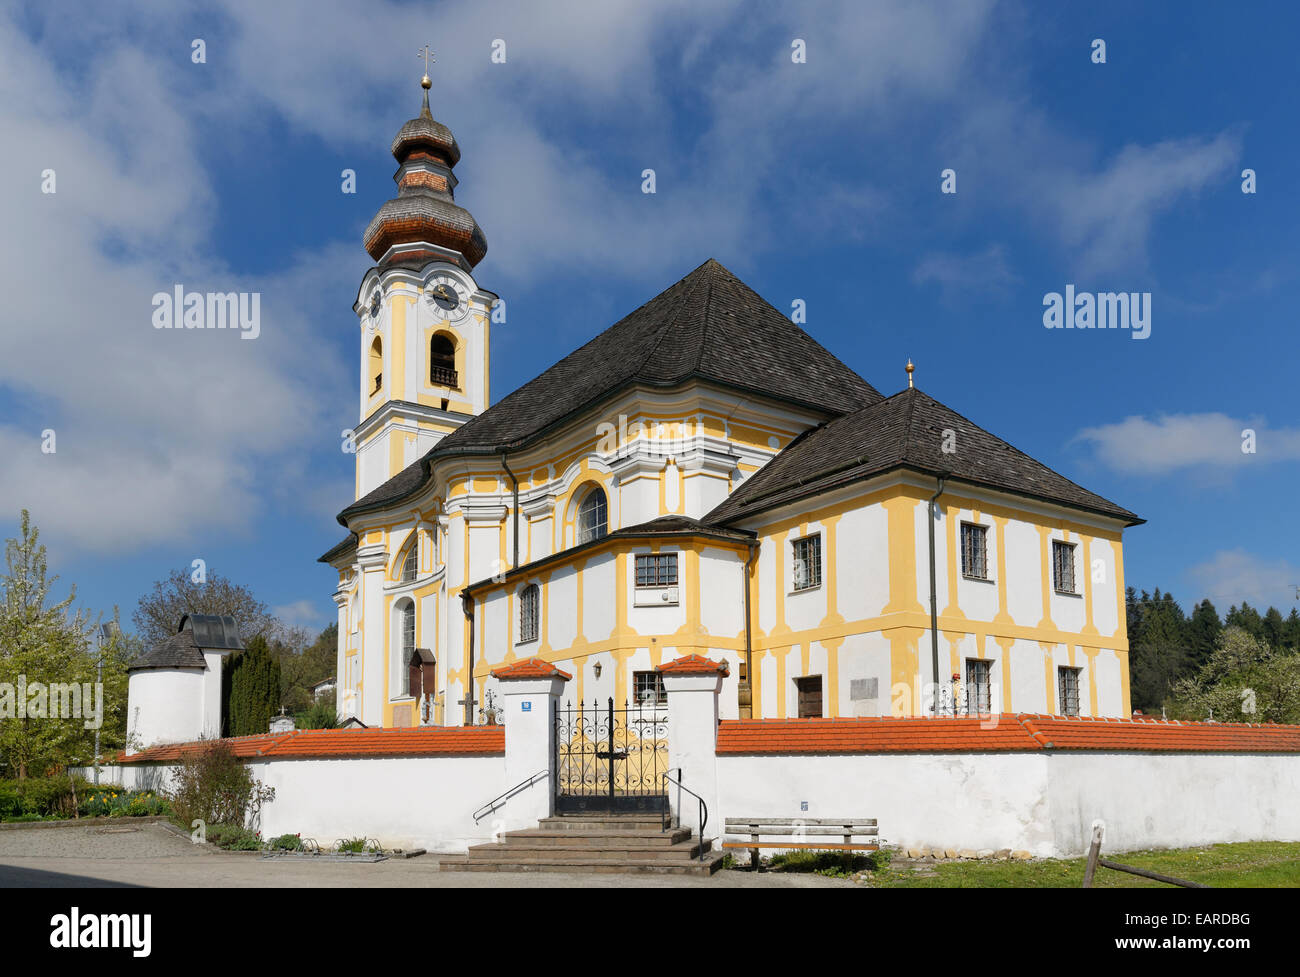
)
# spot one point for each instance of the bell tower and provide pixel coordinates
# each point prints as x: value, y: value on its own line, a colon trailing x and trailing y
x: 424, y: 320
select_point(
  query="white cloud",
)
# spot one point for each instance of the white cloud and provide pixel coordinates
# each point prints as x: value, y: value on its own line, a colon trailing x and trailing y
x: 1173, y: 442
x: 984, y: 271
x: 303, y: 613
x: 1232, y: 576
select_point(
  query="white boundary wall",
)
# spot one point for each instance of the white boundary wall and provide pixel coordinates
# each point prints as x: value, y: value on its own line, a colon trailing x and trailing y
x: 1043, y: 803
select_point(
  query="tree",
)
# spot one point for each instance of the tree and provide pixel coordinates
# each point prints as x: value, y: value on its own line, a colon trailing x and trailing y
x: 1274, y: 628
x: 1160, y: 656
x: 1203, y: 631
x: 1244, y: 680
x: 254, y: 689
x: 1246, y: 618
x: 1291, y: 633
x: 160, y: 611
x: 305, y: 665
x: 41, y: 643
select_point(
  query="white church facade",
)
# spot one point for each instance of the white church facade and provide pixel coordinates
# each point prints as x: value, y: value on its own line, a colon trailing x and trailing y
x: 703, y: 477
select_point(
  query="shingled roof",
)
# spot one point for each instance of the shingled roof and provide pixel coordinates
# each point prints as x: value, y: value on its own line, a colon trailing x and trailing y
x: 709, y: 326
x: 195, y: 634
x: 903, y: 431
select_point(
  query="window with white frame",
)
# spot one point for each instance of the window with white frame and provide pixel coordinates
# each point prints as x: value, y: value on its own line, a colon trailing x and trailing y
x: 528, y: 600
x: 979, y: 688
x: 406, y: 648
x: 593, y: 516
x: 656, y: 570
x: 648, y: 689
x: 974, y: 551
x: 1068, y: 686
x: 1063, y: 567
x: 808, y: 562
x: 411, y: 565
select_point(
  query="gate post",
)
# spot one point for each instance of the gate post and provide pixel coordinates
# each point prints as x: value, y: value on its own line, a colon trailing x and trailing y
x: 530, y: 688
x: 692, y: 685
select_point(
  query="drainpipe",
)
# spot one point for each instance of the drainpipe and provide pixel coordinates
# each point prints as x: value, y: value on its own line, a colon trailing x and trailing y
x: 467, y: 605
x: 514, y: 482
x: 746, y: 700
x: 934, y: 612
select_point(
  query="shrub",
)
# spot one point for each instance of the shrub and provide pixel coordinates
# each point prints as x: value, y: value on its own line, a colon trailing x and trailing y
x: 212, y: 786
x: 41, y: 796
x: 234, y: 837
x: 355, y: 845
x: 286, y: 842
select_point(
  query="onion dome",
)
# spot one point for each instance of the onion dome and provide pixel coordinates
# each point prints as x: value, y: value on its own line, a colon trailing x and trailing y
x: 424, y: 210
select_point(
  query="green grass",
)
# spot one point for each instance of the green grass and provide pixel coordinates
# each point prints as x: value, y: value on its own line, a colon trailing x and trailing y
x: 1256, y: 864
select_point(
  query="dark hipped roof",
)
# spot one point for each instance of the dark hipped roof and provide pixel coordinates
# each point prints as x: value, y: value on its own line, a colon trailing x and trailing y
x: 709, y: 326
x: 653, y: 529
x: 195, y: 634
x: 904, y: 431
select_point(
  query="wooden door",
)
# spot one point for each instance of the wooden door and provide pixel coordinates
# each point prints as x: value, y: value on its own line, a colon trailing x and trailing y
x: 810, y: 696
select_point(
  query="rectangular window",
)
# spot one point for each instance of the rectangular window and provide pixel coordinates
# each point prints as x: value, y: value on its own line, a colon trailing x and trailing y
x: 810, y: 696
x: 974, y: 551
x: 1068, y: 682
x: 528, y: 613
x: 648, y: 689
x: 808, y: 562
x: 1063, y: 567
x: 979, y: 689
x: 656, y: 570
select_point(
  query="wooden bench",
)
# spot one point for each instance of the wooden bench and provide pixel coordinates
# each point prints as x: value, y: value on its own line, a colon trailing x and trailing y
x: 801, y: 829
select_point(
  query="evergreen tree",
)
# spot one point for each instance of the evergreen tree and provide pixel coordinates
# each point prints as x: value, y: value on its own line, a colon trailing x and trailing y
x: 1274, y: 628
x: 254, y: 690
x: 1160, y: 656
x: 1291, y: 631
x: 1248, y: 619
x: 1202, y: 633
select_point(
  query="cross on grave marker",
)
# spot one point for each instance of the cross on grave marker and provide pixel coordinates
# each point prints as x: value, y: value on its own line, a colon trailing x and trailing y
x: 469, y: 703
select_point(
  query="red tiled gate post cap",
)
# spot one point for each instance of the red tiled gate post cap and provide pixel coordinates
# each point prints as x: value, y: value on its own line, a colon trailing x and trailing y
x: 694, y: 665
x: 529, y: 668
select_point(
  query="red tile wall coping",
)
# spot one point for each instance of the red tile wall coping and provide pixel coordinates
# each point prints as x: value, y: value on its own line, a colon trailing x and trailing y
x: 693, y: 665
x: 1001, y: 733
x: 344, y: 743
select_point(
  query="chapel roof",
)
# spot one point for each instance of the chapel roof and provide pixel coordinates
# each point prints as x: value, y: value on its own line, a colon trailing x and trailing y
x: 195, y: 634
x: 904, y: 431
x: 708, y: 326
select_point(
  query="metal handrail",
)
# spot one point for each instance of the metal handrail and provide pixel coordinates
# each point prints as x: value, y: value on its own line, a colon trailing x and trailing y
x: 668, y: 813
x: 496, y: 802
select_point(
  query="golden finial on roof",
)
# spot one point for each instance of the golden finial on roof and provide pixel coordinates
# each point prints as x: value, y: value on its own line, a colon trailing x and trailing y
x: 910, y: 369
x: 425, y: 83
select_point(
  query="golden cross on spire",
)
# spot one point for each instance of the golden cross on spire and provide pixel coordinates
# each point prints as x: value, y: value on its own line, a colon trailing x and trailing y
x: 428, y: 56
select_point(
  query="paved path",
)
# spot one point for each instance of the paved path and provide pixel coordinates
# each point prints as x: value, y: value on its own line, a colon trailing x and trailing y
x: 150, y: 855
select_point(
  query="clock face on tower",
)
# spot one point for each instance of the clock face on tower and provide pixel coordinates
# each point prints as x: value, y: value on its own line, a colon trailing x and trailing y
x: 446, y: 294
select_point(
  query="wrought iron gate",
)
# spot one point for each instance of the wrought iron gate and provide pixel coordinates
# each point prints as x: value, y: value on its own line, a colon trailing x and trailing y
x: 609, y: 759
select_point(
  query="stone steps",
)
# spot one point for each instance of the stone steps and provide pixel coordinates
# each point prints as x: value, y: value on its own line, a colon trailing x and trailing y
x: 592, y: 843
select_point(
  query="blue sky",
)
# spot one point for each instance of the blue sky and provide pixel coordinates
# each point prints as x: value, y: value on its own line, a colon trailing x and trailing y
x: 817, y: 181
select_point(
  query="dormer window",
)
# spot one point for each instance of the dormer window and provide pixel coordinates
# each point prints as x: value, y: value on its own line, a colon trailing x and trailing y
x: 593, y: 519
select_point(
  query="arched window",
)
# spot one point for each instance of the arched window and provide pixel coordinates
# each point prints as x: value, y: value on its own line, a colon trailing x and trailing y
x: 406, y: 647
x: 593, y: 520
x: 442, y: 361
x: 410, y: 565
x: 377, y: 364
x: 528, y: 600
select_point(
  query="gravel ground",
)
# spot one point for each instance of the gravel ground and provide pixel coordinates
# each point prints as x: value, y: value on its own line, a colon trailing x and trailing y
x: 151, y: 855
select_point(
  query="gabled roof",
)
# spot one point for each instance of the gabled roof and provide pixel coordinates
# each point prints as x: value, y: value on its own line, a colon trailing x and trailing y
x: 904, y: 431
x: 709, y: 326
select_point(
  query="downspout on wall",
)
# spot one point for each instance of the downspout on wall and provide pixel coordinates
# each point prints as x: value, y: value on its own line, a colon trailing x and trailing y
x: 745, y: 694
x: 934, y: 611
x: 514, y: 563
x: 467, y: 605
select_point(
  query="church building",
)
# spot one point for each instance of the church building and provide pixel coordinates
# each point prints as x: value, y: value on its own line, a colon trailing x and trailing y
x: 701, y: 478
